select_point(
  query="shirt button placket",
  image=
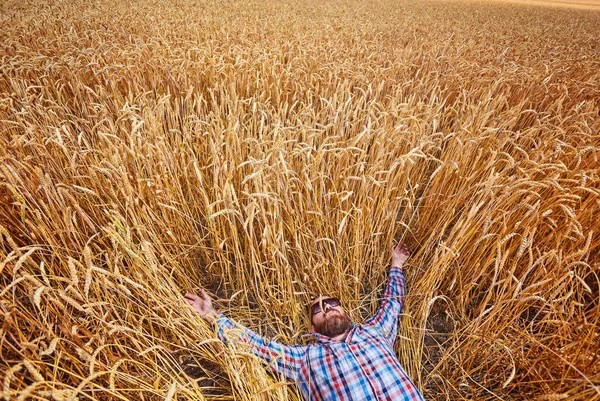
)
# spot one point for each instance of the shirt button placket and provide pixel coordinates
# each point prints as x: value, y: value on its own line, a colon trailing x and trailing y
x: 367, y: 372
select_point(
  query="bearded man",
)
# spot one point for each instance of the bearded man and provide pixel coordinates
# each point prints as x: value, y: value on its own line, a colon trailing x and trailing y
x: 347, y: 361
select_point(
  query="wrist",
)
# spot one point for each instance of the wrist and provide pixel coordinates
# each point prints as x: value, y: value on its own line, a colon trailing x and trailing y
x: 211, y: 316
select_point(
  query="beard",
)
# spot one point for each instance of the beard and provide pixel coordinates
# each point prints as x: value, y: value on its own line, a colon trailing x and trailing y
x: 335, y: 324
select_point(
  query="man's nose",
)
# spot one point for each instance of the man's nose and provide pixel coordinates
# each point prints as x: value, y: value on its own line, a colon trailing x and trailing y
x: 327, y: 307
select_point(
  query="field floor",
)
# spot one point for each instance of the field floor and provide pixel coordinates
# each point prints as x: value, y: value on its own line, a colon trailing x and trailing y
x: 271, y: 151
x: 593, y: 5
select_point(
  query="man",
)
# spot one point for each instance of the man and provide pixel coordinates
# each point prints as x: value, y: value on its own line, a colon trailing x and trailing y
x: 347, y: 361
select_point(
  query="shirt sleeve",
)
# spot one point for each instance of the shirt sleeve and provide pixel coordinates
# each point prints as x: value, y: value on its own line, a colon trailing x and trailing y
x: 282, y: 358
x: 386, y: 318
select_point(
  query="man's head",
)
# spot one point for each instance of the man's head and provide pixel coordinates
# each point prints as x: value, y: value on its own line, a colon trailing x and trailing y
x: 327, y: 317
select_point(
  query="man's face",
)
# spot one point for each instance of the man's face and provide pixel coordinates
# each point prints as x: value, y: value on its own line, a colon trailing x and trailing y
x: 328, y: 320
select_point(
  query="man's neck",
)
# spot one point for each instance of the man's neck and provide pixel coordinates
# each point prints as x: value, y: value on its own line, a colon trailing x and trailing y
x: 341, y: 337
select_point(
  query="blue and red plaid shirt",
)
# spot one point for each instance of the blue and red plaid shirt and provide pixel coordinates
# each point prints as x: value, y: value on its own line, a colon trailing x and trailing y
x: 362, y: 367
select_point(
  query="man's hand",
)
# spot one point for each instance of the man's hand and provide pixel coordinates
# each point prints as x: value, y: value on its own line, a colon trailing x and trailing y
x: 399, y: 254
x: 202, y: 305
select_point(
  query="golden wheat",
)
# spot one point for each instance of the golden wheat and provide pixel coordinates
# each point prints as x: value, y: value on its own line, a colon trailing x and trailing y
x: 273, y: 151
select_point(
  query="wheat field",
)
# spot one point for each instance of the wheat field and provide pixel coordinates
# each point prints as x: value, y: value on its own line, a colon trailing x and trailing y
x: 271, y: 151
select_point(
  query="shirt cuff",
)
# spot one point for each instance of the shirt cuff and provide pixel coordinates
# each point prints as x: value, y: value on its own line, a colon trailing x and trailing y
x: 223, y: 322
x: 396, y: 269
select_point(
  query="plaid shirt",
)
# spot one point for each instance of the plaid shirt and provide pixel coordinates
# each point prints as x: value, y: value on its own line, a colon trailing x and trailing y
x: 363, y: 367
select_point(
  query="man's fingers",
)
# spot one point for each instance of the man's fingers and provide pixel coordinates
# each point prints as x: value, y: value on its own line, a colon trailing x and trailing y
x: 191, y: 297
x: 402, y: 246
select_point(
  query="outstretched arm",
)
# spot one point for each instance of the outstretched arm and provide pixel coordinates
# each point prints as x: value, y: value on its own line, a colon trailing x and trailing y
x: 282, y: 358
x: 386, y: 318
